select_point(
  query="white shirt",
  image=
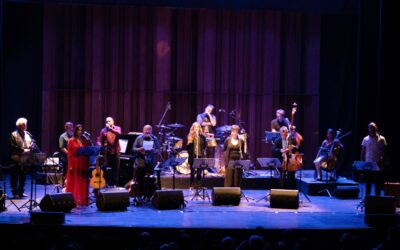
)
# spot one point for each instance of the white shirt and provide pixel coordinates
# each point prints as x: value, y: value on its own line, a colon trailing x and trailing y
x: 374, y: 147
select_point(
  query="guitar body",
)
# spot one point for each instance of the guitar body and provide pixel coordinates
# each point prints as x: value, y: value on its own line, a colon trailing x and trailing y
x: 97, y: 181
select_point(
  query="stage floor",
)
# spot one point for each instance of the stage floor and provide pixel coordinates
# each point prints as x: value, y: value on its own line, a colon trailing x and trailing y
x: 321, y: 212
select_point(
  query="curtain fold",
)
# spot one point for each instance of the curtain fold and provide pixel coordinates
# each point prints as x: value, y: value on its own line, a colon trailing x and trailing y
x: 128, y: 62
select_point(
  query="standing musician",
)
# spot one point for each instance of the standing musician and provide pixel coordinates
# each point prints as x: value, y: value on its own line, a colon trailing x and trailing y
x: 146, y: 147
x: 233, y: 150
x: 196, y: 145
x: 63, y: 143
x: 109, y: 140
x: 279, y: 121
x: 208, y: 121
x: 327, y: 153
x: 373, y: 150
x: 78, y: 165
x: 21, y: 142
x: 285, y: 149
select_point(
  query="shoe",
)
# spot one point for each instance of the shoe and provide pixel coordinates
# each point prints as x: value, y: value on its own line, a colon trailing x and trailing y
x: 15, y: 196
x: 319, y: 179
x: 22, y: 195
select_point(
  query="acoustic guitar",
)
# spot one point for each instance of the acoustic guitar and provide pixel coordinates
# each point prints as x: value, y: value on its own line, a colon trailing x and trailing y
x: 97, y: 181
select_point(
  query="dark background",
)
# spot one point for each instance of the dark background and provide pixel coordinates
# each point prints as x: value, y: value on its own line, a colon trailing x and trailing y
x: 337, y: 59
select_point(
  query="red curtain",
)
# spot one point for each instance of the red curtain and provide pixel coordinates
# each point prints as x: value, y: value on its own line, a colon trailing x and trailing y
x: 128, y: 62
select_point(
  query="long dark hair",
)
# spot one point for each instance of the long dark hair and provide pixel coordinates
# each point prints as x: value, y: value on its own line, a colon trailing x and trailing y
x: 77, y: 126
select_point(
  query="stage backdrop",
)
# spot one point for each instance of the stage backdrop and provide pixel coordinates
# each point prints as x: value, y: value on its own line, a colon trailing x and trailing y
x: 128, y: 62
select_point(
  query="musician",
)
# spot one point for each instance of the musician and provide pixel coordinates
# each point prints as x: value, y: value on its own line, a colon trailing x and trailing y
x: 326, y: 153
x: 109, y: 140
x: 285, y: 147
x: 373, y: 150
x: 207, y: 122
x: 279, y: 121
x: 63, y: 143
x: 233, y: 150
x: 196, y: 144
x: 146, y: 147
x: 77, y: 173
x: 21, y: 142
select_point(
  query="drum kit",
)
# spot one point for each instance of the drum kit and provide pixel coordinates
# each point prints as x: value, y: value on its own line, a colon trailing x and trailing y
x: 171, y: 146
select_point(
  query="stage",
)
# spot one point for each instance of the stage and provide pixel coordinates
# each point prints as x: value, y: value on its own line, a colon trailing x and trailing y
x: 328, y: 216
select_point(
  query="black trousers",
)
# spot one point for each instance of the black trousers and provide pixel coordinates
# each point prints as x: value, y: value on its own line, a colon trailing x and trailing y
x: 376, y: 177
x: 289, y: 180
x: 146, y: 183
x: 18, y: 178
x: 233, y: 177
x: 112, y: 161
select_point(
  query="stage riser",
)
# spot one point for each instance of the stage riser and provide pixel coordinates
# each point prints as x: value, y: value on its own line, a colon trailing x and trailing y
x: 311, y: 187
x: 183, y: 182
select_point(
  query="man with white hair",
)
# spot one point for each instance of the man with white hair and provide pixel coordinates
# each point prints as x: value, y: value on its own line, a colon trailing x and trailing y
x: 21, y: 142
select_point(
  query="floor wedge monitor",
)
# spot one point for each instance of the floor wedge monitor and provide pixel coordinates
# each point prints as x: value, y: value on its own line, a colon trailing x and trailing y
x: 226, y: 196
x: 113, y: 200
x: 62, y: 202
x: 168, y: 199
x: 284, y: 198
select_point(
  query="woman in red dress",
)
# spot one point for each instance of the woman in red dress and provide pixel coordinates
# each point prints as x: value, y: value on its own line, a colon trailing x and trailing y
x: 77, y: 173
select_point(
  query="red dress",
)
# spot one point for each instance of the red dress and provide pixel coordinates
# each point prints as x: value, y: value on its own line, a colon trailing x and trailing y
x: 77, y: 174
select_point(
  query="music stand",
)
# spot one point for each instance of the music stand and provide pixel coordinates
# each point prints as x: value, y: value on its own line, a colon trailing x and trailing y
x: 52, y: 163
x: 364, y: 167
x: 243, y: 165
x: 31, y: 161
x: 202, y: 164
x: 173, y: 162
x: 271, y: 136
x: 271, y: 163
x: 89, y: 151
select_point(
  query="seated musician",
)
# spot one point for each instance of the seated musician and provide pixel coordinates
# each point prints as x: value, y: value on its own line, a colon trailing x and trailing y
x: 146, y: 147
x: 285, y: 150
x: 326, y: 156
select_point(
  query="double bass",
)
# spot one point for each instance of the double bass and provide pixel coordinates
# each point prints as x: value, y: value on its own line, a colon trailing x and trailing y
x: 295, y: 161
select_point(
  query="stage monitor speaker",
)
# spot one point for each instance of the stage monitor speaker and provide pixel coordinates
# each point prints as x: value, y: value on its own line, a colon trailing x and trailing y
x: 226, y: 196
x: 380, y: 204
x: 62, y: 202
x: 113, y: 200
x: 38, y: 217
x: 393, y: 189
x: 284, y: 198
x: 346, y: 192
x: 168, y: 199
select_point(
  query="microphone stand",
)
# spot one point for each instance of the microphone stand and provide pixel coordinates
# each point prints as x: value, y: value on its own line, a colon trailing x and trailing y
x: 168, y: 107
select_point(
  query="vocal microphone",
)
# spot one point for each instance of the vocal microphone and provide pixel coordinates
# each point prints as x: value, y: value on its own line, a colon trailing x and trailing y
x: 30, y: 135
x: 221, y: 110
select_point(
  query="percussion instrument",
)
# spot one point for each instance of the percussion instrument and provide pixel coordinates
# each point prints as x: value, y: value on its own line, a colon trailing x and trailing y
x: 184, y: 168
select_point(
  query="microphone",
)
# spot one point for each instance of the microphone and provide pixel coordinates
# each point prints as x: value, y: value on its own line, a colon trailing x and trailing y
x: 221, y: 110
x: 30, y: 135
x: 169, y: 106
